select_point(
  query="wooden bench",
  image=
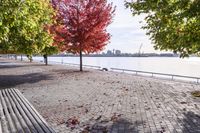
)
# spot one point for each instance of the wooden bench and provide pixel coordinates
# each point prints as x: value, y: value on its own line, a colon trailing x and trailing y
x: 17, y: 115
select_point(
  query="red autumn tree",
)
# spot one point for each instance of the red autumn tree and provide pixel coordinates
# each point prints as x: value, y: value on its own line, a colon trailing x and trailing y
x: 81, y: 25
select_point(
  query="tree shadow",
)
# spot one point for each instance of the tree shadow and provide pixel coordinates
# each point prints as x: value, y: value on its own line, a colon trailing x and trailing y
x: 4, y: 62
x: 191, y: 122
x: 119, y: 126
x: 7, y: 81
x: 70, y: 71
x: 6, y: 65
x: 105, y: 125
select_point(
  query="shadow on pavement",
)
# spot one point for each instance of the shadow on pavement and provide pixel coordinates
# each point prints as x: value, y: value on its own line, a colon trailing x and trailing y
x: 7, y: 65
x: 70, y: 71
x: 7, y: 81
x: 118, y: 126
x: 100, y: 125
x: 191, y: 122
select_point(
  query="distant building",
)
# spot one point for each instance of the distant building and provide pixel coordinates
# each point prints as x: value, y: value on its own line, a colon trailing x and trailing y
x: 109, y: 52
x: 117, y: 52
x: 103, y: 53
x: 113, y: 51
x: 166, y: 54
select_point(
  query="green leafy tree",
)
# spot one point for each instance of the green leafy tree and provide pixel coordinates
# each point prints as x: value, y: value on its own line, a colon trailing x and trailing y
x: 23, y: 26
x: 172, y: 24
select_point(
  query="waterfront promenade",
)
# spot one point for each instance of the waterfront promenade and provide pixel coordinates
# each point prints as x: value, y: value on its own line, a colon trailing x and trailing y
x: 104, y: 102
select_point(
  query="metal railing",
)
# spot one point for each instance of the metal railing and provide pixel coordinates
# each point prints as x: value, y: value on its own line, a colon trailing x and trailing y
x: 153, y: 74
x: 65, y: 63
x: 137, y: 72
x: 90, y: 66
x: 73, y: 64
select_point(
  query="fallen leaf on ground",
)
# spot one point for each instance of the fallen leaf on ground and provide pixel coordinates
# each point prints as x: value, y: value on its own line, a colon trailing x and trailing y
x: 72, y: 122
x: 115, y: 117
x: 60, y: 121
x: 98, y: 118
x: 86, y: 130
x: 183, y: 102
x: 86, y: 110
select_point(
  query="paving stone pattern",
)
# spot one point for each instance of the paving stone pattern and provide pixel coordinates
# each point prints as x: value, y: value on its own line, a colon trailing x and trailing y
x: 104, y: 102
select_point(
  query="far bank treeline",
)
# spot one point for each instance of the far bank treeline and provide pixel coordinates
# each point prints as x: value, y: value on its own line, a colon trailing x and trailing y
x: 43, y: 27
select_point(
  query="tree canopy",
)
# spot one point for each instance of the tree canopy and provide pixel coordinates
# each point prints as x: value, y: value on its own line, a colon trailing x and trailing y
x: 82, y: 25
x: 23, y: 26
x: 172, y: 24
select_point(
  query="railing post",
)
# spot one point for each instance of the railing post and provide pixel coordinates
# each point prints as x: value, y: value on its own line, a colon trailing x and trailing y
x: 62, y: 61
x: 173, y: 76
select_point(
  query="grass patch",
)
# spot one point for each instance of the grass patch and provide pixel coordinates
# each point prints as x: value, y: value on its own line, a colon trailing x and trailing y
x: 196, y: 93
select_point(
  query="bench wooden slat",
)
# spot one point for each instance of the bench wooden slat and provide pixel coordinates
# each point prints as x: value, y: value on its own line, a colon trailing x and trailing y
x: 4, y: 126
x: 22, y: 112
x: 31, y: 118
x: 12, y: 114
x: 23, y: 125
x: 35, y: 114
x: 11, y: 126
x: 17, y: 115
x: 0, y: 126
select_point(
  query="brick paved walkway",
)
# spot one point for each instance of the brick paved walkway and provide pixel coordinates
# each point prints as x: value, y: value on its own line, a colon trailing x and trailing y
x: 101, y: 102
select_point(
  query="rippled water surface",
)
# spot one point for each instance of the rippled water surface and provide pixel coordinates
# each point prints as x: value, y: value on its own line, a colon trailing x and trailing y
x: 170, y: 65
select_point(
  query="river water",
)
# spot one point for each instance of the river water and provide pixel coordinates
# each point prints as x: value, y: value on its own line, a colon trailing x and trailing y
x: 169, y: 65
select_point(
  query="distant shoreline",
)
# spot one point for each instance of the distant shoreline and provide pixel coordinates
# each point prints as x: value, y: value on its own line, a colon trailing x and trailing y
x: 102, y: 56
x: 112, y: 55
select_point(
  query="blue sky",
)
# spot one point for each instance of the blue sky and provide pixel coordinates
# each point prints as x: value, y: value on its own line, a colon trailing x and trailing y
x: 126, y: 31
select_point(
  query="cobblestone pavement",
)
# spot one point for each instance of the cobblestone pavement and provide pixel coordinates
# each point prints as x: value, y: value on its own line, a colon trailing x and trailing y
x: 104, y: 102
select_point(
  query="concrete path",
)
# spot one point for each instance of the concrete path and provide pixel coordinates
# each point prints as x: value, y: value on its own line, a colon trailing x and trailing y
x: 104, y: 102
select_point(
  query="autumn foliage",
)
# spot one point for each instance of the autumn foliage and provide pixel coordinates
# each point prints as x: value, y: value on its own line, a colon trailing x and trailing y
x: 81, y: 25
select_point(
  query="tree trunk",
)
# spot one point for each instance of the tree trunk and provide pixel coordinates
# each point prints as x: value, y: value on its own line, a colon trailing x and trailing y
x: 30, y: 58
x: 21, y: 57
x: 45, y: 59
x: 81, y: 64
x: 15, y: 57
